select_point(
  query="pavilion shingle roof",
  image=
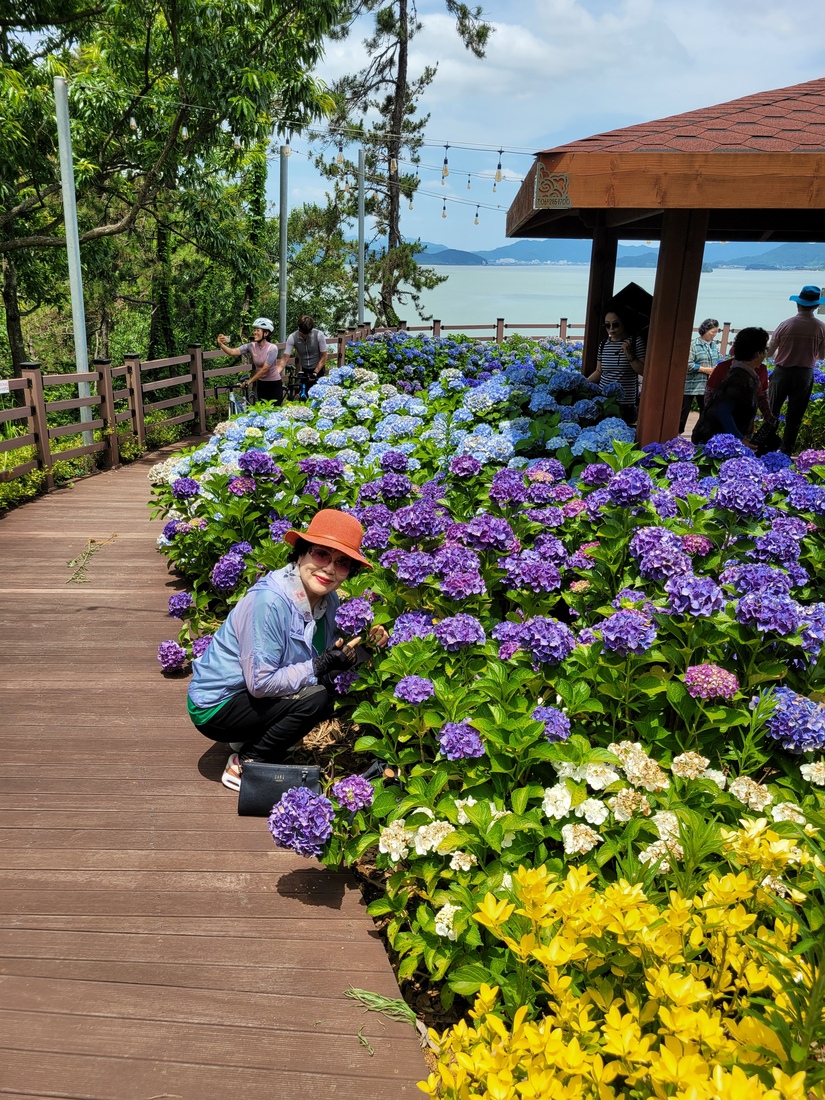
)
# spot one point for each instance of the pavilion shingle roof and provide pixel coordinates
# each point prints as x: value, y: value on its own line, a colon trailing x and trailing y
x: 785, y: 120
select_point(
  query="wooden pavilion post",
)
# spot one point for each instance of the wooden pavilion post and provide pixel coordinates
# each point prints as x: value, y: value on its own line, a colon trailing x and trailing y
x: 671, y: 323
x: 599, y: 289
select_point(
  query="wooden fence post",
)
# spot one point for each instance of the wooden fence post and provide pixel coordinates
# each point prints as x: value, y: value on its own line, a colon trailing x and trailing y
x: 342, y: 346
x: 198, y: 391
x: 111, y: 456
x: 723, y: 339
x: 135, y: 391
x: 563, y: 328
x: 31, y: 372
x: 402, y: 326
x: 436, y: 328
x: 499, y: 330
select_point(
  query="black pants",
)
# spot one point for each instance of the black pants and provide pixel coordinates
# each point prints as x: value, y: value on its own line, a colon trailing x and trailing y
x: 269, y: 727
x: 271, y: 391
x: 794, y: 385
x: 629, y: 413
x: 687, y: 404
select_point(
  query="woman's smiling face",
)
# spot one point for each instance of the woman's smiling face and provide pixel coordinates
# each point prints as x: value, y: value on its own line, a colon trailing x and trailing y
x: 319, y: 576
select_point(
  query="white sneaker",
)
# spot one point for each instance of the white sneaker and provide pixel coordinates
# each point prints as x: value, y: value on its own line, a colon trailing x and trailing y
x: 236, y: 746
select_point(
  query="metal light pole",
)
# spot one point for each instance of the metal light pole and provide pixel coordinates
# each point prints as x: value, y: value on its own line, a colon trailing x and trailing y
x: 283, y: 217
x: 361, y: 236
x: 64, y: 140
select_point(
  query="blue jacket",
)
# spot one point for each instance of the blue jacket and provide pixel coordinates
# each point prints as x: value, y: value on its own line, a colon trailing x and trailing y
x: 265, y: 644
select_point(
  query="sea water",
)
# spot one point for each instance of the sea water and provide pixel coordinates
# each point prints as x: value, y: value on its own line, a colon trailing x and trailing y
x: 543, y: 294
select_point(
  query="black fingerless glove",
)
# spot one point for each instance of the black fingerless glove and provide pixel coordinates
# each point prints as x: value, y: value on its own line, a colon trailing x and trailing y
x: 333, y: 660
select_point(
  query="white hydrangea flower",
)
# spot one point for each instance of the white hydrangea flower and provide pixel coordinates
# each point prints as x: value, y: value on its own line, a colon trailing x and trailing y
x: 717, y: 777
x: 754, y: 795
x: 463, y: 861
x: 507, y: 881
x: 579, y: 839
x: 557, y: 801
x: 394, y: 841
x: 507, y: 840
x: 814, y: 773
x: 775, y: 885
x: 788, y: 811
x: 667, y: 825
x: 627, y: 802
x: 662, y: 850
x: 429, y: 837
x: 460, y: 803
x: 253, y: 433
x: 640, y: 770
x: 689, y: 765
x: 592, y: 810
x: 566, y: 770
x: 444, y: 920
x: 600, y: 776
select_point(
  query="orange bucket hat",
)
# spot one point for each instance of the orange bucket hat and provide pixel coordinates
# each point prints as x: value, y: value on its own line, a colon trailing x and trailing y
x: 329, y: 527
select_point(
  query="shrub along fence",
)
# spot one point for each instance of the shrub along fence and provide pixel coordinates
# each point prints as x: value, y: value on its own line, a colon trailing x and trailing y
x: 122, y: 400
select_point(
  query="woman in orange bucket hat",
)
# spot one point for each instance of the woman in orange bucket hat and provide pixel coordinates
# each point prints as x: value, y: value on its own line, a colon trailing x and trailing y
x: 266, y: 678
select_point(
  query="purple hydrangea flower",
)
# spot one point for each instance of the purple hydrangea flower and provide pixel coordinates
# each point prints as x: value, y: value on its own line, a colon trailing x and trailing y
x: 562, y: 492
x: 776, y: 546
x: 200, y: 646
x: 665, y: 505
x: 798, y: 723
x: 755, y: 577
x: 806, y: 460
x: 242, y: 486
x: 664, y: 561
x: 768, y: 612
x: 627, y: 632
x: 376, y: 538
x: 395, y: 486
x: 450, y: 558
x: 547, y: 640
x: 551, y: 549
x: 420, y: 520
x: 746, y: 468
x: 394, y: 462
x: 344, y: 681
x: 548, y: 517
x: 489, y: 533
x: 374, y: 515
x: 691, y: 595
x: 774, y: 461
x: 354, y: 792
x: 629, y: 487
x: 171, y: 655
x: 813, y: 629
x: 171, y: 528
x: 630, y: 598
x: 327, y: 468
x: 542, y: 492
x: 546, y: 469
x: 556, y: 723
x: 724, y: 446
x: 465, y: 466
x: 355, y: 616
x: 460, y: 586
x: 746, y: 498
x: 682, y: 471
x: 226, y: 572
x: 185, y: 487
x: 793, y: 526
x: 412, y: 624
x: 302, y: 821
x: 696, y: 544
x: 179, y: 604
x: 710, y: 682
x: 412, y: 568
x: 680, y: 449
x: 595, y: 474
x: 508, y: 487
x: 459, y: 631
x: 597, y: 500
x: 459, y: 741
x: 572, y: 508
x: 257, y: 463
x: 508, y: 634
x: 278, y: 528
x: 530, y: 570
x: 414, y: 689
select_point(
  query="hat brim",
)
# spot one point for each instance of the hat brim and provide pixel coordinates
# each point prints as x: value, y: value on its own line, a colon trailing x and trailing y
x: 291, y: 537
x: 800, y: 301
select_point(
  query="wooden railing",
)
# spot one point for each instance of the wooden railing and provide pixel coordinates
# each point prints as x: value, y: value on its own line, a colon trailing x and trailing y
x: 125, y: 396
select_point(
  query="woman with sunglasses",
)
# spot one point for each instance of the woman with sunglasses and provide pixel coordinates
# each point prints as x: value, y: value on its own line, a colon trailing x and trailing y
x: 622, y: 359
x: 267, y: 677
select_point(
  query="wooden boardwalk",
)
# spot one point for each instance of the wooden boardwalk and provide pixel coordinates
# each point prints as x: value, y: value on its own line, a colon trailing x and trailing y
x: 152, y: 943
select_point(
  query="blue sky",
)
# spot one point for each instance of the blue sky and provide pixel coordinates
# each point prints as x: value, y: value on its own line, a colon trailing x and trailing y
x: 558, y: 70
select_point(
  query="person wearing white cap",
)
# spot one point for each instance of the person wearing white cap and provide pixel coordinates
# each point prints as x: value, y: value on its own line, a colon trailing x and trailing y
x: 266, y: 370
x: 795, y: 347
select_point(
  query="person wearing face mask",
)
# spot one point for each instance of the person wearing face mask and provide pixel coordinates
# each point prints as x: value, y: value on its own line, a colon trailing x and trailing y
x: 267, y: 677
x: 309, y: 346
x: 266, y: 370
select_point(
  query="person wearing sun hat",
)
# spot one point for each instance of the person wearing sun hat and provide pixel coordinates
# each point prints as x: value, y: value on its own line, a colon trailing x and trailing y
x: 266, y: 678
x: 796, y: 346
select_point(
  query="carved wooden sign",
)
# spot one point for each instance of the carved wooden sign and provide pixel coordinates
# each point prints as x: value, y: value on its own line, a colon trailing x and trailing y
x: 551, y: 190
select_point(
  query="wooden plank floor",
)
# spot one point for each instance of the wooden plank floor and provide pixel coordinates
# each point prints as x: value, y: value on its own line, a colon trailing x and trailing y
x: 152, y: 943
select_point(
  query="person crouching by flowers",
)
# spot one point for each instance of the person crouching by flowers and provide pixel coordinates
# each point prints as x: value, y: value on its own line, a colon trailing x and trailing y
x: 267, y: 677
x: 731, y: 406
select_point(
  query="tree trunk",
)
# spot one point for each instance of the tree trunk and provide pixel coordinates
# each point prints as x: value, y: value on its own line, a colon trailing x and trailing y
x: 399, y: 104
x: 161, y: 334
x: 14, y: 328
x: 257, y: 222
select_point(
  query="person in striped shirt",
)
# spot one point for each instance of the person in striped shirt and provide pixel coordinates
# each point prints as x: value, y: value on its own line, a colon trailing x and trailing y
x: 622, y: 359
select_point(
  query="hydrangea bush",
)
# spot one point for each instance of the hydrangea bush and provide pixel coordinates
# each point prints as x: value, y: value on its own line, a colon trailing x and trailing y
x: 600, y: 658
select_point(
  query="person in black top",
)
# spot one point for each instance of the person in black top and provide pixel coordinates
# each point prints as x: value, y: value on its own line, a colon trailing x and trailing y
x: 731, y: 407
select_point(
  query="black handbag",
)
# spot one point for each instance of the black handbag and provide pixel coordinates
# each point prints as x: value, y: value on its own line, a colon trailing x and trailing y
x: 766, y: 438
x: 262, y: 785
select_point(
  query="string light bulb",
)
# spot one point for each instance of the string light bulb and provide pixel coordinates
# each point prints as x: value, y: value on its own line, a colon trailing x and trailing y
x: 444, y: 209
x: 475, y: 220
x: 411, y: 204
x: 133, y: 123
x: 236, y: 141
x: 468, y: 181
x: 287, y: 148
x: 498, y: 167
x: 340, y: 157
x: 445, y: 169
x: 494, y: 187
x: 184, y: 133
x: 393, y: 166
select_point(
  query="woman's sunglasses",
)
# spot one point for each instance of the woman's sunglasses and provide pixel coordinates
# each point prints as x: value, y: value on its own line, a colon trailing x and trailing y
x: 323, y: 557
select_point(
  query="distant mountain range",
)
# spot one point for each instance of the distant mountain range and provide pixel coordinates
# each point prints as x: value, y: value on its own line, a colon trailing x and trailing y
x: 534, y: 253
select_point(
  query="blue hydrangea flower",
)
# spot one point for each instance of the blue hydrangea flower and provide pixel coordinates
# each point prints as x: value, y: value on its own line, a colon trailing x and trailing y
x: 459, y: 741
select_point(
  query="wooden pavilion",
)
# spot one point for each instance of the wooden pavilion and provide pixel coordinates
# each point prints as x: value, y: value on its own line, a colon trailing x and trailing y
x: 752, y: 169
